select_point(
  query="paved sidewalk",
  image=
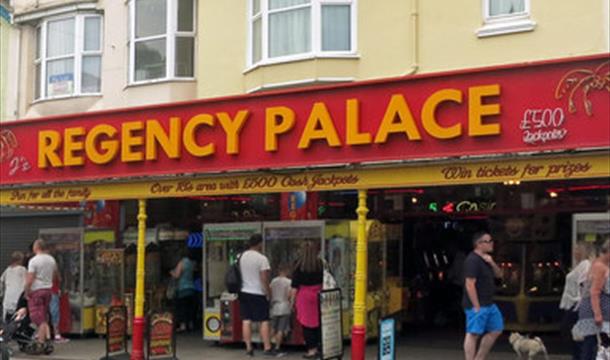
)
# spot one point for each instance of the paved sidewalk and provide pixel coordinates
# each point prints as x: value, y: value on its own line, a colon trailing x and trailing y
x: 191, y: 347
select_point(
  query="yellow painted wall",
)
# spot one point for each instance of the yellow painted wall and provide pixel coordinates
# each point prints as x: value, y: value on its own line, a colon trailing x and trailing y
x: 446, y: 40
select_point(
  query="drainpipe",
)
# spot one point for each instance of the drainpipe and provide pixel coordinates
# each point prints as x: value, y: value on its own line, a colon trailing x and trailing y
x: 414, y: 39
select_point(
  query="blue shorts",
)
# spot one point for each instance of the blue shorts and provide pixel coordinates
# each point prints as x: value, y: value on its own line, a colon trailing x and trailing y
x: 488, y: 319
x: 54, y: 309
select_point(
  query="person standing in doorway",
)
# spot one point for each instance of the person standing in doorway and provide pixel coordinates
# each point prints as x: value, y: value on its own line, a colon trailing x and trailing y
x: 255, y: 293
x: 12, y: 282
x: 42, y: 269
x: 483, y: 318
x: 186, y: 302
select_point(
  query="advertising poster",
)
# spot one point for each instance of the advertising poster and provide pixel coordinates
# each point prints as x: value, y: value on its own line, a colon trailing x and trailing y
x: 331, y: 324
x: 161, y: 343
x: 387, y: 332
x: 116, y: 337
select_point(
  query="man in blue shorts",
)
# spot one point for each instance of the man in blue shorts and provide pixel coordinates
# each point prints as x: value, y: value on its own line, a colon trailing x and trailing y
x: 483, y: 318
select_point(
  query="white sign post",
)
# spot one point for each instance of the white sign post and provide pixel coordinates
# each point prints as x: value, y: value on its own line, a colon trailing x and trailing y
x: 331, y: 324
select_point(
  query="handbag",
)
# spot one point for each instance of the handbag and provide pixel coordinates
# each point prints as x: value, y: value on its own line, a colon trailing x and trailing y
x: 233, y: 278
x: 603, y: 352
x: 329, y: 281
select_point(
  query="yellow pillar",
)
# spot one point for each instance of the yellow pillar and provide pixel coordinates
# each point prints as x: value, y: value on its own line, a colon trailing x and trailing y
x: 137, y: 352
x: 359, y: 327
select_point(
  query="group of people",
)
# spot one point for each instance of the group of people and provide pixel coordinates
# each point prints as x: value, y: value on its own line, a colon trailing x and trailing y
x: 271, y: 302
x: 585, y: 300
x: 32, y: 284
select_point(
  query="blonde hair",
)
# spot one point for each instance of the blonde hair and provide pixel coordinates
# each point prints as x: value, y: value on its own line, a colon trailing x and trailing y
x: 587, y: 249
x: 309, y: 260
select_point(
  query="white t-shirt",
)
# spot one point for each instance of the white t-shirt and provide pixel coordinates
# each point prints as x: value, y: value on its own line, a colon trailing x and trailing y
x: 251, y: 264
x: 12, y: 282
x: 42, y: 266
x: 280, y: 302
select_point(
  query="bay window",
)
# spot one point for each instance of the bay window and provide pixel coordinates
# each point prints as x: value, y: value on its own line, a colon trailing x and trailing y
x: 161, y: 40
x: 68, y: 56
x: 284, y: 30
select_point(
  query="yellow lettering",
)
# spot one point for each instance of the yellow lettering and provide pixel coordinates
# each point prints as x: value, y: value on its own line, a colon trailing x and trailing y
x: 72, y: 145
x: 428, y: 116
x: 319, y: 127
x: 353, y: 136
x: 232, y: 128
x: 189, y: 137
x: 397, y: 108
x: 109, y: 147
x: 129, y: 140
x: 477, y: 110
x: 155, y: 134
x: 273, y: 128
x: 48, y: 144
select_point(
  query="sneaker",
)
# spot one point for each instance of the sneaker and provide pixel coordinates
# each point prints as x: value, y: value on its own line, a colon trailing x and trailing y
x: 279, y: 353
x: 250, y: 353
x: 60, y: 339
x: 271, y: 353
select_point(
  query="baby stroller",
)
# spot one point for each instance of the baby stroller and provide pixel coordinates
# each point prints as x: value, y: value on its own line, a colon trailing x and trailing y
x: 20, y: 329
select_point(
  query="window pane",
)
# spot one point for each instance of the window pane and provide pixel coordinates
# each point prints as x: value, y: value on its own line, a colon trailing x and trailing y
x: 60, y: 37
x: 184, y: 56
x: 60, y: 77
x: 150, y: 60
x: 336, y: 28
x: 92, y: 33
x: 289, y: 32
x: 90, y: 76
x: 506, y: 7
x: 150, y: 17
x: 37, y: 94
x: 185, y: 15
x: 280, y: 4
x: 38, y: 42
x: 256, y: 6
x: 257, y: 44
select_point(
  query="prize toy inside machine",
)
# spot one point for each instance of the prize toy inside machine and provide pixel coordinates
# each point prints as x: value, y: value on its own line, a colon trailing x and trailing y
x: 529, y: 251
x: 223, y: 242
x: 74, y: 250
x: 283, y: 241
x: 384, y: 278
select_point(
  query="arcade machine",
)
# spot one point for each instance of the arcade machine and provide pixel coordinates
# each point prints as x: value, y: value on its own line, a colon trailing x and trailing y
x: 590, y: 227
x: 221, y: 321
x: 530, y: 255
x: 109, y: 266
x: 74, y: 250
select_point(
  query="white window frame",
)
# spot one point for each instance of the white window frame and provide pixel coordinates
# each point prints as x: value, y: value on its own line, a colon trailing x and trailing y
x: 506, y: 23
x: 315, y: 28
x: 77, y: 55
x: 171, y: 32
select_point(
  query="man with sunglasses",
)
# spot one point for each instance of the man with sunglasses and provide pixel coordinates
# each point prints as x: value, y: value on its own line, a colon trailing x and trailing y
x: 483, y: 318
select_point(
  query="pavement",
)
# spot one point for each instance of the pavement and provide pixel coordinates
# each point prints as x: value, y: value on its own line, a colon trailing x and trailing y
x: 191, y: 347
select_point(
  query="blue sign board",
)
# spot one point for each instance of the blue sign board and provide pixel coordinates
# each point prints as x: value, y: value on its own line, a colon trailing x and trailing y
x: 387, y: 339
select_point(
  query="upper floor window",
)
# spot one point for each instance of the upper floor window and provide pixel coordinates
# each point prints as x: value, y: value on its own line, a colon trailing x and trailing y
x: 68, y: 56
x: 161, y: 40
x: 284, y: 30
x: 505, y: 17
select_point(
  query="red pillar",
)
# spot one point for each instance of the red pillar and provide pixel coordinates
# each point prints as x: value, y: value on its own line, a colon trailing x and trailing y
x: 137, y: 339
x: 358, y: 342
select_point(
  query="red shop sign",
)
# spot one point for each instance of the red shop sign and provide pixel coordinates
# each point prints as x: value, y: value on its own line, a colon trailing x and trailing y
x: 556, y: 105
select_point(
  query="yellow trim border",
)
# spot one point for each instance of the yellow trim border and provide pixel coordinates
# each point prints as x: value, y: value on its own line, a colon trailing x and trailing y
x: 457, y: 173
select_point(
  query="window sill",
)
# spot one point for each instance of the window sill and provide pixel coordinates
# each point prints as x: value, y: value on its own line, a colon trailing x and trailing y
x: 495, y: 28
x: 65, y: 97
x: 298, y: 58
x: 160, y: 81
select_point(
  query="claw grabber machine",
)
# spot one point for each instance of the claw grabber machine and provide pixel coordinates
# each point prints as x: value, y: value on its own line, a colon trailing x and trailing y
x: 222, y: 243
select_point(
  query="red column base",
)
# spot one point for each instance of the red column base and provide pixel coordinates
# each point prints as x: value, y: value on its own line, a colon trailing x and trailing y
x: 137, y: 339
x: 358, y: 342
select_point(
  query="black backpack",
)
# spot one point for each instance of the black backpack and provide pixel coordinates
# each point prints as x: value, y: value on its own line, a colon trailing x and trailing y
x: 233, y: 277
